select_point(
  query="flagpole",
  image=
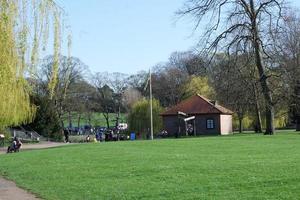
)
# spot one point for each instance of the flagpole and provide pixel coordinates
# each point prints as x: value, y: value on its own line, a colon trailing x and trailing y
x: 151, y: 114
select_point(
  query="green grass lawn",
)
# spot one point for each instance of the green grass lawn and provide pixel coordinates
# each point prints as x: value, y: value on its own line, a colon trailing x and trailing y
x: 97, y: 119
x: 224, y: 167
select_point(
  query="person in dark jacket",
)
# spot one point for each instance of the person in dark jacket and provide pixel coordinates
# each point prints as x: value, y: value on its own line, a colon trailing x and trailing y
x: 66, y: 133
x: 15, y: 146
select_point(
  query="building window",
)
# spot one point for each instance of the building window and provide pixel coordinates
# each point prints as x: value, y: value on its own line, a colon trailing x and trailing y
x: 210, y: 124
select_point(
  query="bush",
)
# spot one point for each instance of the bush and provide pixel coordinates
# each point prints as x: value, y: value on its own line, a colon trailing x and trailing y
x: 139, y: 117
x: 80, y: 138
x: 46, y: 122
x: 247, y: 123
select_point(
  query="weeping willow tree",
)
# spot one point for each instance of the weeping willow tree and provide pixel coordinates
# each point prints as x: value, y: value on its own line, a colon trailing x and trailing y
x: 24, y: 33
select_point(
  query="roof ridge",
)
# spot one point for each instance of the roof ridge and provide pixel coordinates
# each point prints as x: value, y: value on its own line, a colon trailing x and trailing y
x: 205, y: 99
x: 197, y: 104
x: 209, y: 101
x: 179, y: 103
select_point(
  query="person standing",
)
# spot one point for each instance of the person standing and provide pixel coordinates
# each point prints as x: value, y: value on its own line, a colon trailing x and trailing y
x: 66, y: 133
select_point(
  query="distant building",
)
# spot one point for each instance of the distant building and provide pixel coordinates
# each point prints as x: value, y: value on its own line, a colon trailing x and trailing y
x: 197, y: 116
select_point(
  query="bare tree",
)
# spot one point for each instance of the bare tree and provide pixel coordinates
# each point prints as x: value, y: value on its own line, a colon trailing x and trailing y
x: 288, y: 56
x: 240, y: 26
x: 189, y: 63
x: 167, y: 82
x: 105, y: 96
x: 130, y: 97
x: 237, y: 86
x: 138, y: 81
x: 71, y: 71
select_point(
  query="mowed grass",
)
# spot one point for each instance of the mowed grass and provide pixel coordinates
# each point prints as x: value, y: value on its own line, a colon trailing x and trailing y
x: 224, y: 167
x: 97, y: 119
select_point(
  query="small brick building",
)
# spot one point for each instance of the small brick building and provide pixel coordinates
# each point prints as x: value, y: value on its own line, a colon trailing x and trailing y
x: 198, y: 116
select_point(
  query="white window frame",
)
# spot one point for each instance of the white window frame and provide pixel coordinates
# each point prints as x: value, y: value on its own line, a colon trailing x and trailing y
x: 210, y: 123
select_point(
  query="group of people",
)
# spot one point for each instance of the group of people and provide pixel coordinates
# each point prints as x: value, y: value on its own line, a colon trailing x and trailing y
x: 101, y: 136
x: 15, y: 145
x: 98, y: 137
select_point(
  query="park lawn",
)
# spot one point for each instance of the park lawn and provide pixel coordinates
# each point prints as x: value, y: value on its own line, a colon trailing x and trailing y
x: 97, y: 119
x: 221, y: 167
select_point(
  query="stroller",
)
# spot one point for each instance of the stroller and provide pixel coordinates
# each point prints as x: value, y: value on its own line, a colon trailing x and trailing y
x: 15, y: 146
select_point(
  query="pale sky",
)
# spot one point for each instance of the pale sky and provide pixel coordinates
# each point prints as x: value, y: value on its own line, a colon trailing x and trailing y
x: 128, y: 35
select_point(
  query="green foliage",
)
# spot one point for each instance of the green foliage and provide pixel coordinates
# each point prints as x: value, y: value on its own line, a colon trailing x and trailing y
x: 19, y: 21
x: 15, y: 106
x: 247, y: 123
x: 198, y: 85
x: 139, y: 117
x: 231, y: 167
x: 54, y: 76
x: 280, y: 121
x: 46, y: 122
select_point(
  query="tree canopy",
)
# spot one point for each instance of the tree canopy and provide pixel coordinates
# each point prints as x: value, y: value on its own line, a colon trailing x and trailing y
x: 24, y: 31
x: 139, y: 117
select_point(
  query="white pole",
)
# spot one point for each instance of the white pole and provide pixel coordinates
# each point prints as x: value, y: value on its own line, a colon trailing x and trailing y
x: 151, y: 115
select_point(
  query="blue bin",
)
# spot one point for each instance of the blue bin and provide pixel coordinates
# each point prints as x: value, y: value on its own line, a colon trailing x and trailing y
x: 132, y: 136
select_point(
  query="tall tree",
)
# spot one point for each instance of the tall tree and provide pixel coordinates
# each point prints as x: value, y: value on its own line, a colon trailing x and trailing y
x: 24, y: 29
x: 288, y: 57
x: 189, y: 63
x: 236, y: 86
x: 241, y: 26
x: 105, y: 96
x: 71, y: 74
x: 167, y: 82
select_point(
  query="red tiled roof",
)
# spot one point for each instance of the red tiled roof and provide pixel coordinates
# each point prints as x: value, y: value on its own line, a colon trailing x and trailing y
x: 197, y: 105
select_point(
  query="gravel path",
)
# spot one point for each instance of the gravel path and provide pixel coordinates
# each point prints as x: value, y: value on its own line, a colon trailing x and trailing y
x: 8, y: 189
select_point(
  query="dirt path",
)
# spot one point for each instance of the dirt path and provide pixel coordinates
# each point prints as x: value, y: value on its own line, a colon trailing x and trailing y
x: 8, y: 189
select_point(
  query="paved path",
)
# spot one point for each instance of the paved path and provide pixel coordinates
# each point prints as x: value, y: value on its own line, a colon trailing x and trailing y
x: 41, y: 145
x: 8, y: 189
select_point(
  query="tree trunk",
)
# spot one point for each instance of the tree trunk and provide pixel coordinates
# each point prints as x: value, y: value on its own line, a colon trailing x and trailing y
x: 263, y: 78
x: 298, y: 124
x: 78, y: 122
x: 269, y: 120
x: 59, y: 112
x: 258, y: 126
x: 89, y: 119
x: 61, y: 121
x: 240, y: 124
x: 70, y: 119
x: 106, y: 116
x: 118, y: 118
x: 62, y: 124
x: 297, y: 105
